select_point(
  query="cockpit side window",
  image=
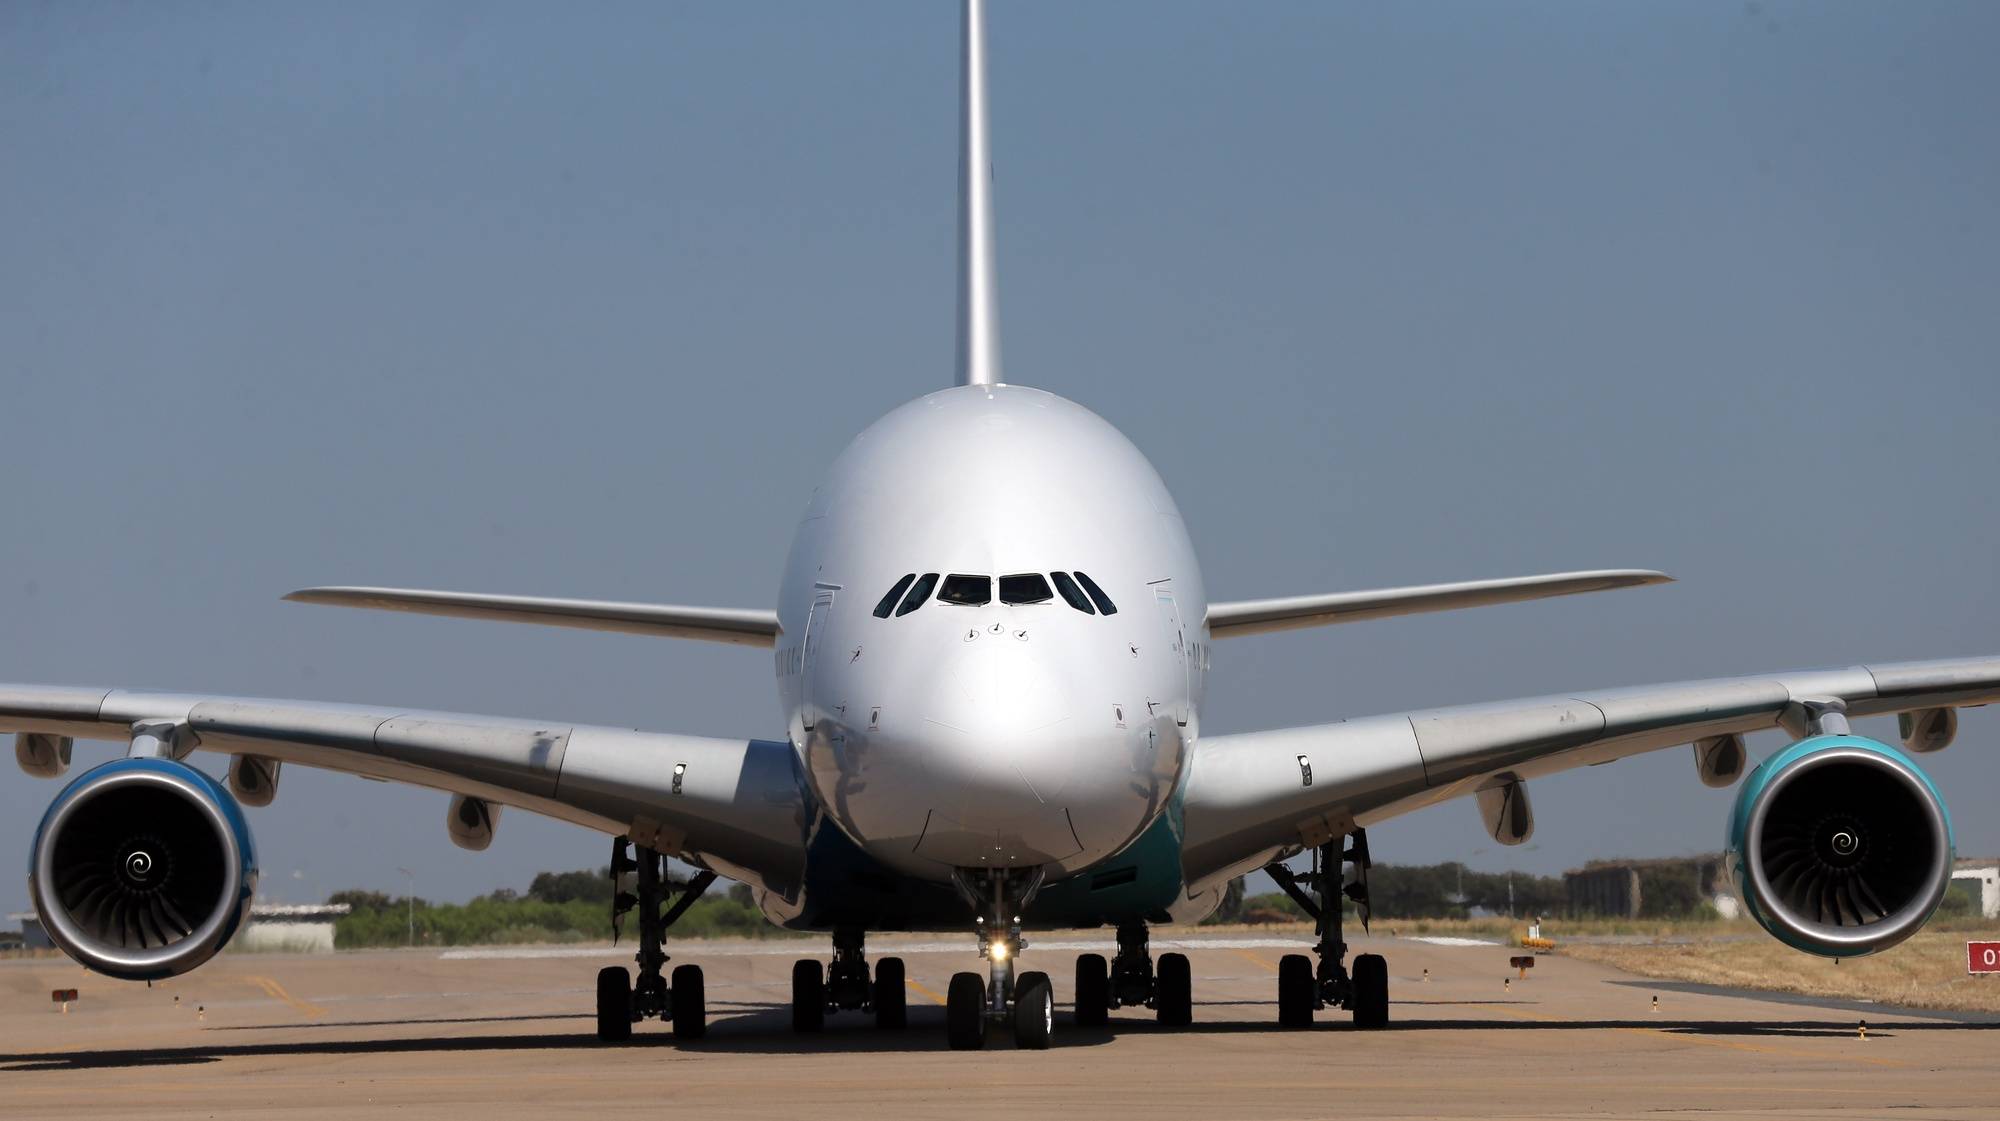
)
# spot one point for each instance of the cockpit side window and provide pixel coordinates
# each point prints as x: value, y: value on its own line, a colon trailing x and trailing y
x: 1026, y: 587
x: 1097, y: 595
x: 970, y: 591
x: 894, y: 597
x: 918, y: 595
x: 1072, y: 594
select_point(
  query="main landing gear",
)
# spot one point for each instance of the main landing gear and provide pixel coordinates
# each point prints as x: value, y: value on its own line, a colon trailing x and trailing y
x: 1026, y: 1001
x: 846, y: 986
x: 1130, y: 980
x: 1302, y: 989
x: 620, y: 1002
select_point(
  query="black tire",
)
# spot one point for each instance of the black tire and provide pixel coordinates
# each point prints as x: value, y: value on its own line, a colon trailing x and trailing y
x: 1023, y: 980
x: 1093, y: 991
x: 1371, y: 991
x: 892, y: 1008
x: 808, y: 995
x: 1034, y: 1012
x: 690, y: 1000
x: 1295, y: 991
x: 614, y: 1004
x: 965, y: 1012
x: 1173, y: 991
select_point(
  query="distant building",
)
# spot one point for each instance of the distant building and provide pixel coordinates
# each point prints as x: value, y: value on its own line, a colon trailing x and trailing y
x: 1984, y: 871
x: 33, y: 936
x: 300, y: 928
x: 1616, y: 888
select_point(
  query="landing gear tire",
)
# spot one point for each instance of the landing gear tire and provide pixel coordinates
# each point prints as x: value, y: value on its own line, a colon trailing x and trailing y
x: 1173, y: 999
x: 1034, y: 1012
x: 965, y: 1012
x: 614, y: 1004
x: 1295, y: 991
x: 690, y: 1003
x: 1371, y: 991
x: 892, y: 1009
x: 808, y: 996
x: 1093, y: 991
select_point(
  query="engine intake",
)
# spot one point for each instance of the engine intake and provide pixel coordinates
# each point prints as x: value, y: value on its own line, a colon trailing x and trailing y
x: 1840, y: 845
x: 143, y: 868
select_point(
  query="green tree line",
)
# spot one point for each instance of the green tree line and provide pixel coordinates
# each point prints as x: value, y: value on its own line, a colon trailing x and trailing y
x: 557, y: 907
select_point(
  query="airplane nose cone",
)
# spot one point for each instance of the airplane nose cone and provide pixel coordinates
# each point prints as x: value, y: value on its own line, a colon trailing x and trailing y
x: 1002, y: 733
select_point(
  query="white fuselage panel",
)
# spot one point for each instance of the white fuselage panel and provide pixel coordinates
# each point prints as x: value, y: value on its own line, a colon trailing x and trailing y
x: 996, y: 735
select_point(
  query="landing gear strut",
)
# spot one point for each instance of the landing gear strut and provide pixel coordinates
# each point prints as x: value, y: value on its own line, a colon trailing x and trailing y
x: 1303, y: 989
x: 1028, y: 1001
x: 846, y: 986
x: 1131, y: 980
x: 620, y: 1002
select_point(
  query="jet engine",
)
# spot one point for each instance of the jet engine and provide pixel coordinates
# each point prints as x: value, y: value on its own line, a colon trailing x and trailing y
x: 1840, y: 846
x: 142, y: 868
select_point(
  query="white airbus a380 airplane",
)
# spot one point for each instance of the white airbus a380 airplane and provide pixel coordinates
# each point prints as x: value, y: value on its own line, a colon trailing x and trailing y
x: 990, y: 646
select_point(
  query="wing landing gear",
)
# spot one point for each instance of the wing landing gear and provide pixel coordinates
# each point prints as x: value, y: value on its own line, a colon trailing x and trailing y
x: 1304, y: 989
x: 620, y: 1001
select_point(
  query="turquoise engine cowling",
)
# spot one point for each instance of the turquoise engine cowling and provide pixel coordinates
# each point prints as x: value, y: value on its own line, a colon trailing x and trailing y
x: 142, y: 868
x: 1840, y: 846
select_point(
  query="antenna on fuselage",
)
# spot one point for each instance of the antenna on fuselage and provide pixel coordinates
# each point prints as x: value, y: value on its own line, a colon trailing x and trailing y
x: 978, y: 298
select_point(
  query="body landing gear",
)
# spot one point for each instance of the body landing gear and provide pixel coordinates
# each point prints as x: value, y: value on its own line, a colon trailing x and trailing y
x: 1304, y: 989
x: 846, y: 986
x: 620, y: 1002
x: 1131, y: 980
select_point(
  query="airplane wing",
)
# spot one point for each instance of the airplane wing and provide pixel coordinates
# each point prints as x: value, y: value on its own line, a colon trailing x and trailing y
x: 736, y: 806
x: 1254, y: 797
x: 714, y: 624
x: 1263, y: 616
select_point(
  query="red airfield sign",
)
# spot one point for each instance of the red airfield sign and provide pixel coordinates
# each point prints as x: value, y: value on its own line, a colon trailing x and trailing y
x: 1982, y: 957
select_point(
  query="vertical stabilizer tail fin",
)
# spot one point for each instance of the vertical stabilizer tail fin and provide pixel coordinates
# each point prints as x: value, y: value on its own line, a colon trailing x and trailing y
x: 978, y: 301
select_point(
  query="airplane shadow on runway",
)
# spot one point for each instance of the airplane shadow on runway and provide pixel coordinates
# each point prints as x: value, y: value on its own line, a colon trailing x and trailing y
x: 766, y: 1029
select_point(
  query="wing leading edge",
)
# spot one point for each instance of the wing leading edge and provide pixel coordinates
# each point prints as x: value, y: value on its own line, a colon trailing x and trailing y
x: 733, y: 805
x: 1264, y: 616
x: 1253, y: 796
x: 736, y: 626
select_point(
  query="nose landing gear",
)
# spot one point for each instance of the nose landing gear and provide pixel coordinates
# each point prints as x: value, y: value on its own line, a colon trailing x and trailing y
x: 1028, y: 1002
x: 621, y: 1002
x: 1304, y: 989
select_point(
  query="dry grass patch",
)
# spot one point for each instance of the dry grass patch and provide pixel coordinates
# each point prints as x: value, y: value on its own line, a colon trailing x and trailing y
x: 1928, y: 971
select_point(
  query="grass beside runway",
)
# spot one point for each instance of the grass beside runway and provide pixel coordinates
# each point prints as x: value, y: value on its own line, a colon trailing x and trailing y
x: 1928, y: 971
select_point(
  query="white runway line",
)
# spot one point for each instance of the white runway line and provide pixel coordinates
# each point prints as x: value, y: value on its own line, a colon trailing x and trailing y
x: 1442, y: 940
x: 812, y: 947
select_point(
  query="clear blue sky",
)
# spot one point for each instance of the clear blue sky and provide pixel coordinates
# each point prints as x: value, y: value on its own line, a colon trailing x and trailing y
x: 579, y: 301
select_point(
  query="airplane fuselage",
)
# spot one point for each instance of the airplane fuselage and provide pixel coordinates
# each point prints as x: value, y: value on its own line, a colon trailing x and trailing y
x: 947, y: 717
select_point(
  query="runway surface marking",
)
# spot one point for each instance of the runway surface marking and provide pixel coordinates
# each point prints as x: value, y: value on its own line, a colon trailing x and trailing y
x: 812, y: 947
x: 1261, y: 963
x: 277, y: 992
x: 931, y: 993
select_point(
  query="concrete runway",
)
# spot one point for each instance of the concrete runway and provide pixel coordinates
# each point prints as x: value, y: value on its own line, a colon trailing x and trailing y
x: 511, y: 1036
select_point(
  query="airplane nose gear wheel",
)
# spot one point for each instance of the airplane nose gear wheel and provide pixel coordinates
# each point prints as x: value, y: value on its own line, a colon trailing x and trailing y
x: 997, y: 899
x: 1034, y: 1012
x: 965, y: 1012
